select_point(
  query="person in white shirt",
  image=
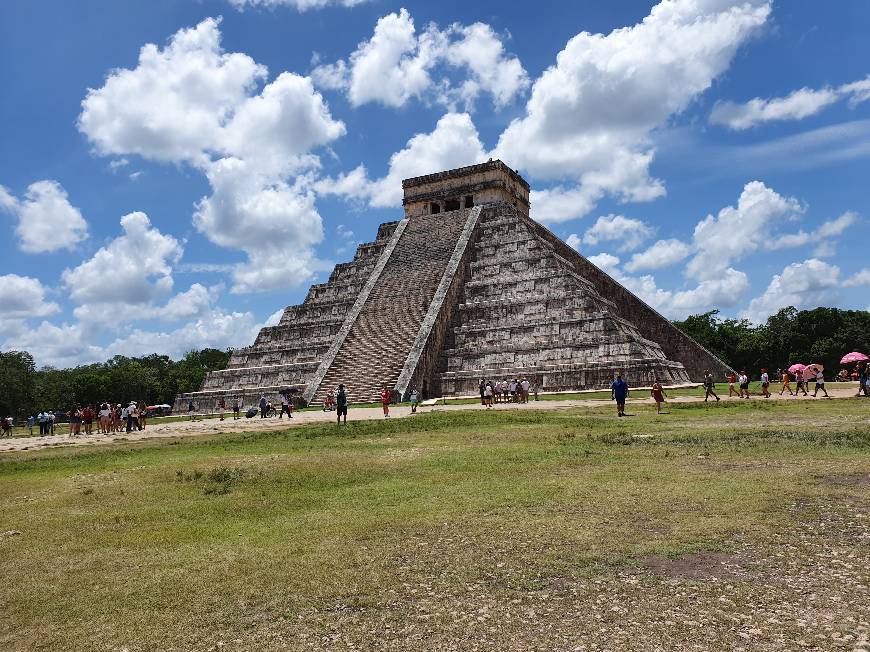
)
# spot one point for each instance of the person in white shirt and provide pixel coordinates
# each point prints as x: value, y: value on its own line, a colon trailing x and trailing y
x: 820, y: 384
x: 744, y: 385
x: 765, y: 383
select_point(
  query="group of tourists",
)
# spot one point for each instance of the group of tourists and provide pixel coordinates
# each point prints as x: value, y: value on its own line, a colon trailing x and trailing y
x: 516, y: 390
x: 738, y: 384
x: 107, y: 418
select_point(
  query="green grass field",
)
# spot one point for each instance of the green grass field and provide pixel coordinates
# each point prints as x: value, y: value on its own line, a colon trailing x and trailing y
x: 739, y: 525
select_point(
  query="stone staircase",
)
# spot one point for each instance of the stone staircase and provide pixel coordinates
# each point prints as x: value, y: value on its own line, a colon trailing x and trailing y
x: 375, y: 350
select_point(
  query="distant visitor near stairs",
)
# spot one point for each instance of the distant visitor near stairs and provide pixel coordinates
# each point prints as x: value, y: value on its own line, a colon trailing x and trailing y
x: 466, y: 286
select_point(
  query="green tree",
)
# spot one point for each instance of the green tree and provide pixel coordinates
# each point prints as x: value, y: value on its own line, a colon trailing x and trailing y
x: 17, y: 385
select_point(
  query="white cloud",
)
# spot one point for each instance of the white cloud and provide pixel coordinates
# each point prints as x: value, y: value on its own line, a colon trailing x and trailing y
x: 859, y: 279
x: 857, y: 91
x: 192, y: 102
x: 193, y: 302
x: 808, y: 284
x: 795, y: 106
x: 59, y: 346
x: 217, y: 329
x: 725, y: 291
x: 662, y: 253
x: 574, y: 241
x: 453, y: 143
x: 299, y: 5
x: 46, y: 220
x: 24, y: 297
x: 397, y: 65
x: 173, y: 105
x: 133, y: 269
x: 605, y: 262
x: 627, y: 232
x: 737, y: 231
x: 589, y: 118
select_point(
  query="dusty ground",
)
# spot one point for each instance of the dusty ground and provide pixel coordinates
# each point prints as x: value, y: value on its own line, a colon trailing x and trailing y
x: 156, y: 430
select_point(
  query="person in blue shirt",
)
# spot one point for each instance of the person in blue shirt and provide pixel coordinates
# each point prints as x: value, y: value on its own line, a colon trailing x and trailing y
x: 31, y: 421
x: 618, y: 393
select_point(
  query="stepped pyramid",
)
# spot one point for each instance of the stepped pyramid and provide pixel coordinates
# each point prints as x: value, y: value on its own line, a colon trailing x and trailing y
x: 466, y: 286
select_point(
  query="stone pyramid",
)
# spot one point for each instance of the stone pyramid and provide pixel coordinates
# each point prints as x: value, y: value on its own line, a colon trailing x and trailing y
x: 465, y: 287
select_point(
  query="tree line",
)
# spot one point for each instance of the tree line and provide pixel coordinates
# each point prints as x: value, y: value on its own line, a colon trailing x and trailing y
x: 155, y: 379
x: 822, y: 335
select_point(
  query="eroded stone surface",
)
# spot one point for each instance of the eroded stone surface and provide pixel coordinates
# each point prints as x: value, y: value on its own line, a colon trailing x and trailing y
x: 521, y: 304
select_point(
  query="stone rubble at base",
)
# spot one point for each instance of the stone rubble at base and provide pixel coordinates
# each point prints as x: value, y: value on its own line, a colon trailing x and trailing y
x: 465, y: 287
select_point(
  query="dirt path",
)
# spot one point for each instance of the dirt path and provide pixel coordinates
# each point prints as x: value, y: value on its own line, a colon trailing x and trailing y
x: 157, y: 430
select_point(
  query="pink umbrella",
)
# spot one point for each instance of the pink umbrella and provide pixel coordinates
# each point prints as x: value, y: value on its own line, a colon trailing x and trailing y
x: 854, y: 356
x: 812, y: 370
x: 797, y: 368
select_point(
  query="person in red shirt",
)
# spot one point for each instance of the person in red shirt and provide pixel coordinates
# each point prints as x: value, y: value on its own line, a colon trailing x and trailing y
x: 732, y: 379
x: 88, y: 419
x: 385, y: 401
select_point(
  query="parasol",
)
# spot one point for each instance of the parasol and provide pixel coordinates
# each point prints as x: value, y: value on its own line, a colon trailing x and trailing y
x: 797, y: 368
x: 812, y: 370
x: 854, y: 356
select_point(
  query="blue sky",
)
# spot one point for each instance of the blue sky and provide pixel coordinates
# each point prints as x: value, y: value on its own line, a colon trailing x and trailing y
x: 174, y: 173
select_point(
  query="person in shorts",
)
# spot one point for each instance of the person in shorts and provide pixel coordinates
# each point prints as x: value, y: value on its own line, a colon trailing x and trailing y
x: 341, y: 404
x: 222, y: 406
x: 619, y: 393
x: 744, y: 385
x: 786, y: 384
x: 820, y: 384
x: 191, y: 410
x: 765, y: 384
x: 237, y: 408
x: 413, y: 398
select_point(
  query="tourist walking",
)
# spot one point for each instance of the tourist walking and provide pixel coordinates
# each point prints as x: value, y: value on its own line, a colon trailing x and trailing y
x: 31, y: 421
x: 619, y: 393
x: 765, y: 383
x: 709, y: 386
x: 341, y: 404
x: 75, y: 421
x: 658, y: 394
x: 743, y: 379
x: 482, y: 389
x: 487, y: 395
x: 413, y: 398
x: 524, y: 384
x: 190, y: 410
x: 88, y: 419
x: 236, y: 409
x: 264, y: 406
x: 820, y: 384
x: 143, y: 414
x: 801, y: 384
x: 285, y: 406
x: 385, y: 401
x: 786, y: 384
x: 732, y: 381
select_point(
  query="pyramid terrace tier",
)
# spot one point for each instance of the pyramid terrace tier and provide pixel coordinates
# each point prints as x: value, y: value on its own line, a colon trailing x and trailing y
x: 238, y: 378
x: 567, y: 377
x: 208, y: 401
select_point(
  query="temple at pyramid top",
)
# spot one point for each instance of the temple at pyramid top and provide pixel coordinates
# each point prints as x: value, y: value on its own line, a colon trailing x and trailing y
x: 485, y: 183
x: 464, y: 286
